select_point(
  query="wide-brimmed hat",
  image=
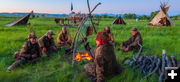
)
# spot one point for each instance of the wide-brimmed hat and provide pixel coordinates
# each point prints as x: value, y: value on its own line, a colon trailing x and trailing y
x: 50, y: 32
x: 32, y: 35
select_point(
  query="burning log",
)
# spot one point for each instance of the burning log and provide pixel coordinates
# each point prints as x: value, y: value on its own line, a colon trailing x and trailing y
x: 80, y: 55
x: 88, y: 49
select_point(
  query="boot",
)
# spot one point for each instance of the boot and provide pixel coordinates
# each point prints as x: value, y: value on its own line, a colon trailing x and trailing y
x: 15, y: 64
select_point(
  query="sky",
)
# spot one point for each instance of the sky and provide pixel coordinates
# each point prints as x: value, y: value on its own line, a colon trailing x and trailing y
x: 140, y: 7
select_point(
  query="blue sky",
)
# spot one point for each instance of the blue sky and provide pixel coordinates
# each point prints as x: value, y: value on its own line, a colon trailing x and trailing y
x: 108, y: 6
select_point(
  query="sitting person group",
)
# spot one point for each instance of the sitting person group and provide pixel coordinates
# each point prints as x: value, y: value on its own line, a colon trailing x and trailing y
x: 32, y: 50
x: 104, y: 61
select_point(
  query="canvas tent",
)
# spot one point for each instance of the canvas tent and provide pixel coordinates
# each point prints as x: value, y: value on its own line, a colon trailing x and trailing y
x: 21, y: 21
x: 162, y: 19
x: 118, y: 20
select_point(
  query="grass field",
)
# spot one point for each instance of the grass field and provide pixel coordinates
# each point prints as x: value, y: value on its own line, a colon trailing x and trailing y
x: 59, y: 68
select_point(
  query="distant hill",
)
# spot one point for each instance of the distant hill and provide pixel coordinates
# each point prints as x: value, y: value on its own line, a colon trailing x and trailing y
x: 50, y: 15
x: 36, y: 14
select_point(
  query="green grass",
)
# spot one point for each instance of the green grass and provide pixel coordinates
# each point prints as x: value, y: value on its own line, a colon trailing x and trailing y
x: 59, y: 67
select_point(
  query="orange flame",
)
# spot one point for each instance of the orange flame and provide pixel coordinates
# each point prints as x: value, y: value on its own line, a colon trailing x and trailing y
x: 80, y: 56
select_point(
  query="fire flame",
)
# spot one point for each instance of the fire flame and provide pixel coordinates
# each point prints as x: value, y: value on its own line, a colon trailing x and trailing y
x: 80, y: 56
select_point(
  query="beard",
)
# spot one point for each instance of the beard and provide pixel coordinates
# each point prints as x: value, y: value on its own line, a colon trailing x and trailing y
x: 33, y: 42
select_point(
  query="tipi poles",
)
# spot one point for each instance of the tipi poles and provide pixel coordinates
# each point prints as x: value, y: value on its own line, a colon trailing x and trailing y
x: 74, y: 51
x: 91, y: 12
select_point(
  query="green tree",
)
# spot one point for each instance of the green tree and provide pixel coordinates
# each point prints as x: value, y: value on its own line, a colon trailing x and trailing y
x: 104, y: 16
x: 116, y: 16
x: 63, y: 15
x: 129, y: 16
x: 42, y: 15
x: 144, y: 17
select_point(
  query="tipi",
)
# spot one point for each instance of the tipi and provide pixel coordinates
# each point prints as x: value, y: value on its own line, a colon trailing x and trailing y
x: 118, y: 20
x: 21, y: 21
x: 162, y: 19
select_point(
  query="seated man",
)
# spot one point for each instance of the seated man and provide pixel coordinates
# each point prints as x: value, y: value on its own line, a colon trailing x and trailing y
x: 29, y: 53
x: 47, y: 44
x: 107, y: 29
x: 132, y: 42
x: 64, y: 38
x: 105, y: 62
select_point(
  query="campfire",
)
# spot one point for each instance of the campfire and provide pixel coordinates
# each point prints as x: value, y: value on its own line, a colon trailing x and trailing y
x: 80, y: 55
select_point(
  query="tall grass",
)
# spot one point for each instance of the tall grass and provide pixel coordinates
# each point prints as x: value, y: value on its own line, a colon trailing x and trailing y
x: 59, y: 68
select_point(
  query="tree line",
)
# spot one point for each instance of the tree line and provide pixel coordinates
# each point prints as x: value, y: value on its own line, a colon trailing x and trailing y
x: 133, y: 16
x: 130, y: 16
x: 143, y: 17
x: 177, y: 17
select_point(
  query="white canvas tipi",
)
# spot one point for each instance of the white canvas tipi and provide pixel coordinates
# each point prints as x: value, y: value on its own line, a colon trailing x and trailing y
x: 162, y: 19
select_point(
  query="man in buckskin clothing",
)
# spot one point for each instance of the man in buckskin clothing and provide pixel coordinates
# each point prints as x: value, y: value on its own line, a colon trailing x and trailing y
x: 104, y: 59
x: 29, y: 53
x: 132, y: 42
x: 64, y: 38
x: 46, y: 43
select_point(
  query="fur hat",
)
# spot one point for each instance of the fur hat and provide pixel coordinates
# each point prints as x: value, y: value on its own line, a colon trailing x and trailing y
x: 103, y: 36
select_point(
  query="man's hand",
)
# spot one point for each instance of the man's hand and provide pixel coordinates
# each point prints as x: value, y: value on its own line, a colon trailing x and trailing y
x: 44, y: 49
x: 34, y: 56
x: 126, y: 49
